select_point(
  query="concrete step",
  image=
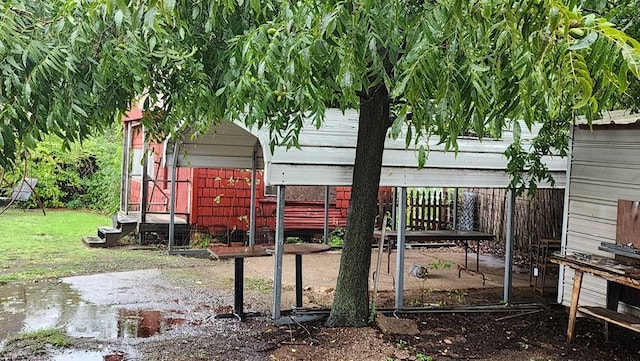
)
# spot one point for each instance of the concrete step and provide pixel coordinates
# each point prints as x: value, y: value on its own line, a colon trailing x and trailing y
x: 94, y: 241
x: 110, y: 235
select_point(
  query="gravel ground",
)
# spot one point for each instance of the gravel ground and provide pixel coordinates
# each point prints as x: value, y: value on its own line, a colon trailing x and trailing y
x: 188, y: 299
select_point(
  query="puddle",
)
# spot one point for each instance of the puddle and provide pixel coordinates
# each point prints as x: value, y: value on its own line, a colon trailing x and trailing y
x: 145, y: 323
x: 33, y: 306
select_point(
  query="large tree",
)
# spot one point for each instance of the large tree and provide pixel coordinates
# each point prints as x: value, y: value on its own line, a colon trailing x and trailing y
x: 441, y: 68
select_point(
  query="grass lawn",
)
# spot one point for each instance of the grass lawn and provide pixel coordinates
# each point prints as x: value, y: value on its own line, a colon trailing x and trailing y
x: 34, y: 246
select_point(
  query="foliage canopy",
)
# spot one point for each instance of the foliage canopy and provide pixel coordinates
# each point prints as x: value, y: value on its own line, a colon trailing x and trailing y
x: 457, y: 67
x: 443, y: 68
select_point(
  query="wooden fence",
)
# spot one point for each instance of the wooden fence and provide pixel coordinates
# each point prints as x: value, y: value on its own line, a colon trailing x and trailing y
x: 429, y: 209
x: 535, y: 218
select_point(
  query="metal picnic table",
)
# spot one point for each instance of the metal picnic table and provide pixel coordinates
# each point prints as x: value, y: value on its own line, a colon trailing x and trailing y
x: 238, y: 254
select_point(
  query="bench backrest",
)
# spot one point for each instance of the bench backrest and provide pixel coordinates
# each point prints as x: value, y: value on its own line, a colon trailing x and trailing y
x: 23, y: 191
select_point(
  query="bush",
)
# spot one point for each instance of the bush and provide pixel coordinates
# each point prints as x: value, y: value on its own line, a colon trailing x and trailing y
x: 78, y: 176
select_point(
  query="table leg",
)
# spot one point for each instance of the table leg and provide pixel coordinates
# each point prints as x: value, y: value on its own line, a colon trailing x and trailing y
x: 298, y: 280
x: 573, y: 310
x: 466, y: 252
x: 238, y: 287
x: 390, y: 247
x: 478, y: 256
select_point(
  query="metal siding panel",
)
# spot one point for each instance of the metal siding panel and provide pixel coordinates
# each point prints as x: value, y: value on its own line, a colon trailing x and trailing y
x: 605, y: 167
x: 593, y: 292
x: 602, y: 211
x: 217, y: 150
x: 289, y: 174
x: 613, y: 117
x: 604, y: 190
x: 332, y: 148
x: 197, y: 161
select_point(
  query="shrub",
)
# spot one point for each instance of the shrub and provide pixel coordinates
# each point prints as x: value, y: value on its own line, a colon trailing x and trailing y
x: 78, y: 175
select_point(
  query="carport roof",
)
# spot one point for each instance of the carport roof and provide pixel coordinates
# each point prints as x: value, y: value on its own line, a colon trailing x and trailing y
x: 326, y: 156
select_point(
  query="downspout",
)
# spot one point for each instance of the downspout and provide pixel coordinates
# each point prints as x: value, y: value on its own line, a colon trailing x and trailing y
x: 144, y: 178
x: 125, y: 175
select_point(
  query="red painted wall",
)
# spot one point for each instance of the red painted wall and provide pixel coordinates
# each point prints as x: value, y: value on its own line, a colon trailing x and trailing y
x: 222, y: 198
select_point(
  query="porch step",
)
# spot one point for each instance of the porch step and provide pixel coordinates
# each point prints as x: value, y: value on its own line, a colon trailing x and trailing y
x: 94, y: 241
x: 127, y: 226
x: 110, y: 235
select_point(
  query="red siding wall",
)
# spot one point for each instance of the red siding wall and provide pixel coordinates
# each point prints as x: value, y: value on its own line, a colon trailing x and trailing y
x: 222, y: 200
x: 343, y: 195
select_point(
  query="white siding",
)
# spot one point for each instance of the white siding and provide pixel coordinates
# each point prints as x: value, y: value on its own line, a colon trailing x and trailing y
x: 226, y: 146
x: 605, y: 167
x: 326, y: 157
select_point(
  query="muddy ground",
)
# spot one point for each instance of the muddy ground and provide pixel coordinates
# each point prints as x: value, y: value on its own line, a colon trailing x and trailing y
x: 170, y: 314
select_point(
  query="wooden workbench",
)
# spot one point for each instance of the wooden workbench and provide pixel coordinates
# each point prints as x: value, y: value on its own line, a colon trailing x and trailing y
x: 608, y: 269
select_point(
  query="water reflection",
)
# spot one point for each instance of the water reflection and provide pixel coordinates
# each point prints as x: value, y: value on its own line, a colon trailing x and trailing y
x: 144, y: 323
x: 33, y: 306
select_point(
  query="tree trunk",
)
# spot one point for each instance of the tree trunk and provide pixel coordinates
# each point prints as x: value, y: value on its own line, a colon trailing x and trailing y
x: 351, y: 301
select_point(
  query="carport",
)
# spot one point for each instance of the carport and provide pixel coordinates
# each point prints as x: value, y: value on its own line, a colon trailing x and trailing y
x: 325, y: 158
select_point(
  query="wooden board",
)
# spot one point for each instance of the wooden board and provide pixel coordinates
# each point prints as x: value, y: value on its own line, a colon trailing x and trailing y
x: 624, y: 320
x: 628, y: 223
x: 237, y: 252
x: 300, y: 248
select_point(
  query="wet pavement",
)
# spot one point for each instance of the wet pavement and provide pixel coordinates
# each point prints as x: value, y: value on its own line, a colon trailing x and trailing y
x: 110, y: 306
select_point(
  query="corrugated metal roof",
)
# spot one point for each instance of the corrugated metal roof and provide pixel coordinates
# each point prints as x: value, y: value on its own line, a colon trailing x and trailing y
x: 326, y: 156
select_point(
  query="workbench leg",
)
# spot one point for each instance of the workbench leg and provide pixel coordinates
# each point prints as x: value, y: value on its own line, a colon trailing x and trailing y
x: 573, y: 311
x: 299, y: 280
x: 238, y: 287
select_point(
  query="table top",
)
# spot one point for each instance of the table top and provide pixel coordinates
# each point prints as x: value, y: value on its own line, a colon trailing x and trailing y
x: 604, y: 267
x: 238, y: 252
x: 436, y: 235
x: 301, y: 248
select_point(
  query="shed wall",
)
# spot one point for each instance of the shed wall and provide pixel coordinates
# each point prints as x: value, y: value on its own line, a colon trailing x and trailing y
x: 605, y: 167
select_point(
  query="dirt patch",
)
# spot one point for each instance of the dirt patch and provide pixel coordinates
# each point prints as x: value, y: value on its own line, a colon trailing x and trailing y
x: 194, y: 295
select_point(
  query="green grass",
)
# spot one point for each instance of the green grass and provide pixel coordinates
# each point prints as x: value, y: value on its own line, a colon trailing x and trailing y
x: 33, y: 246
x: 37, y: 341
